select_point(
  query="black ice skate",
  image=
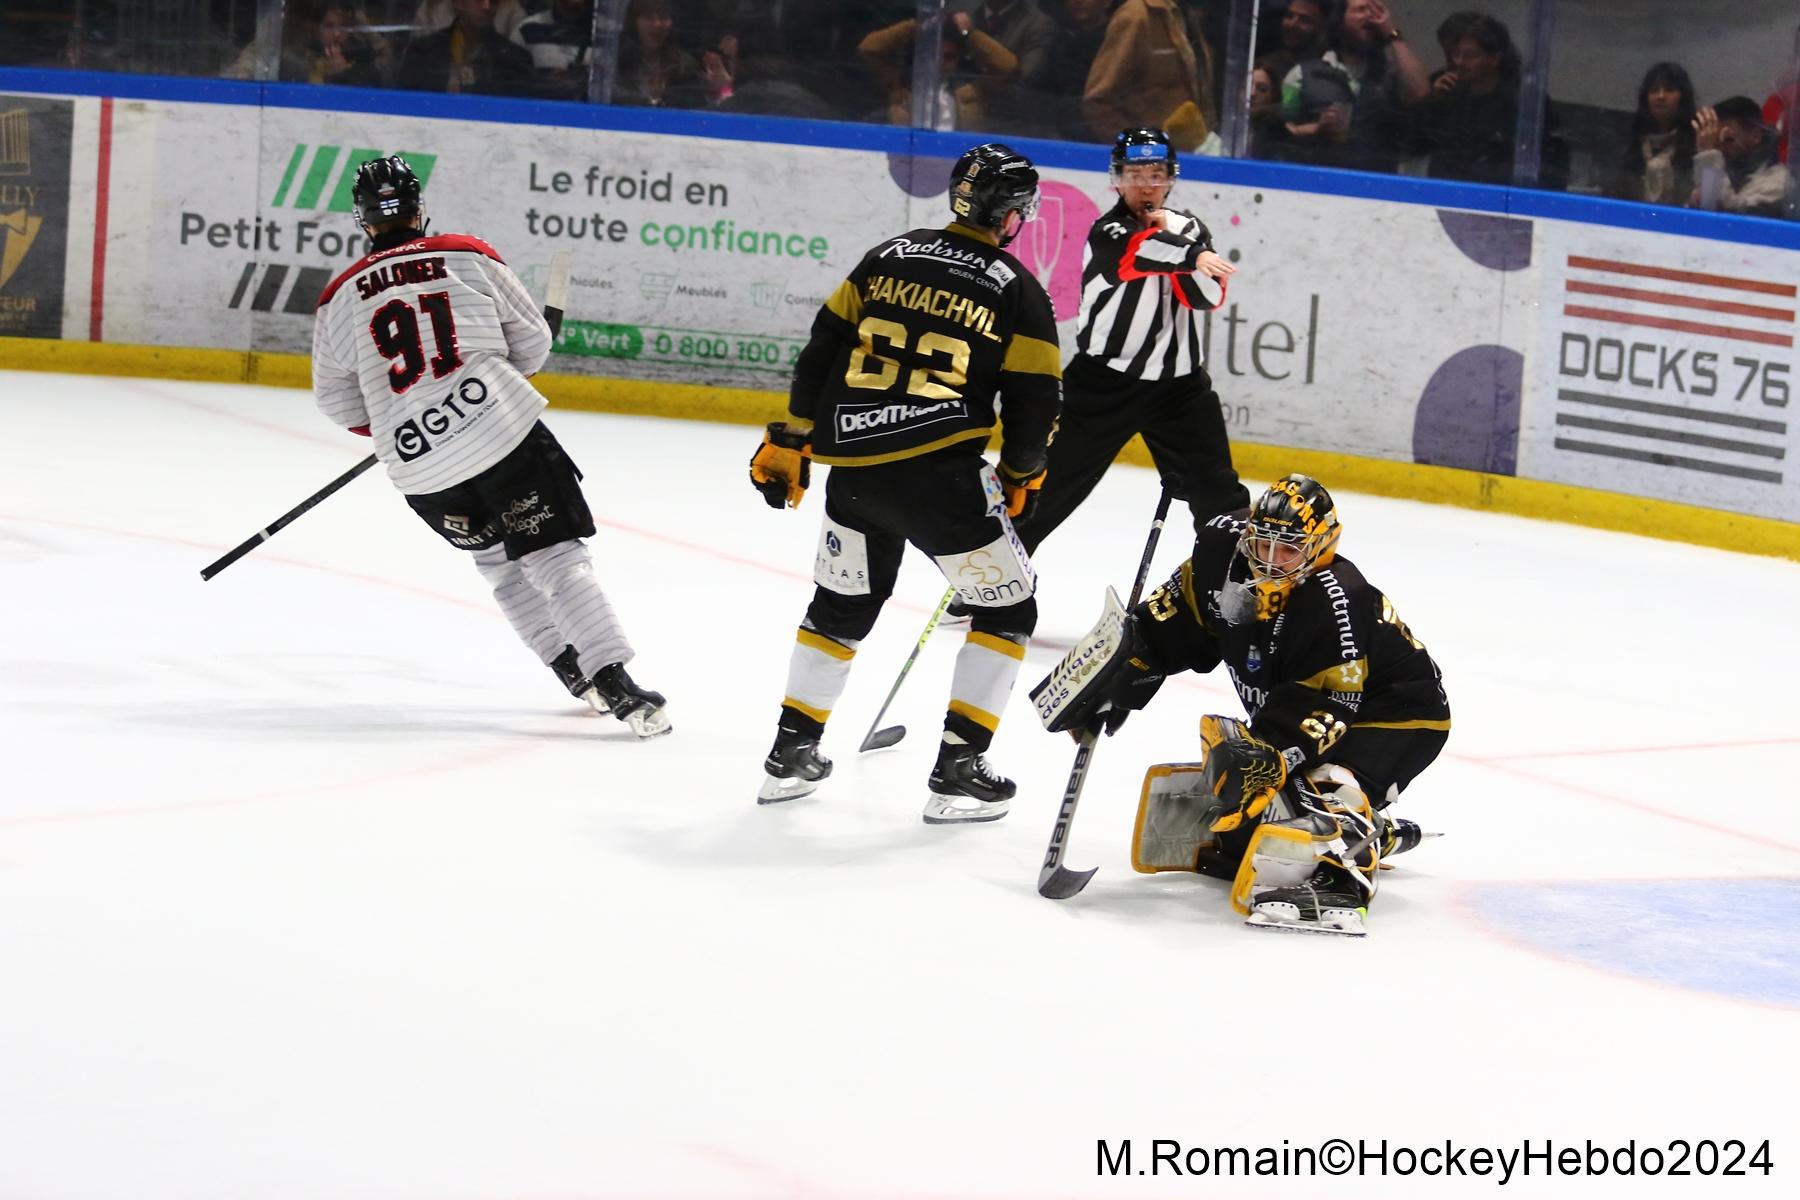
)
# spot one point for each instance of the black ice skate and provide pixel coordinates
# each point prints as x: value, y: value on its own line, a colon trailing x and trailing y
x: 579, y: 685
x: 644, y: 711
x: 1329, y: 902
x: 793, y: 769
x: 965, y: 789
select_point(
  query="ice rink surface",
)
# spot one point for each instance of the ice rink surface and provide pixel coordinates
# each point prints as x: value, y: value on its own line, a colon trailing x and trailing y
x: 313, y: 884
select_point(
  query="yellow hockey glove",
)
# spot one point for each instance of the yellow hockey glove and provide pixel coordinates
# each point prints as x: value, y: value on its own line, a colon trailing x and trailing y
x: 1021, y: 491
x: 1241, y: 770
x: 781, y: 468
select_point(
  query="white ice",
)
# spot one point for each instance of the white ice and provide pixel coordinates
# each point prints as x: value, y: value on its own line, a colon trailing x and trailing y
x: 313, y: 884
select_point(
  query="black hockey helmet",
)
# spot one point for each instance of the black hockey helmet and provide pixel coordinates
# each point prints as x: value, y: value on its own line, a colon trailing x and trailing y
x: 990, y: 181
x: 1293, y: 531
x: 386, y: 190
x: 1143, y: 145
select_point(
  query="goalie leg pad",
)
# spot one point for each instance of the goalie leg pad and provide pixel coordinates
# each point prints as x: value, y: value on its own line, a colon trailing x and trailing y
x: 1299, y: 873
x: 1282, y: 854
x: 1174, y: 819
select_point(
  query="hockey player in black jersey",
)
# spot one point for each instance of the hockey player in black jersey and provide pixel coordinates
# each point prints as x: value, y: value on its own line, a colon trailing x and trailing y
x: 935, y: 335
x: 1149, y: 276
x: 1346, y: 707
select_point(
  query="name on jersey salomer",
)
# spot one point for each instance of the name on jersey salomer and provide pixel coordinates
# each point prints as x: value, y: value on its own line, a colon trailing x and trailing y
x: 399, y: 274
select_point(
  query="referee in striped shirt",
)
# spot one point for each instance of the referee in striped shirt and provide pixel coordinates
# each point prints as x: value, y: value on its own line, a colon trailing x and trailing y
x: 1148, y: 276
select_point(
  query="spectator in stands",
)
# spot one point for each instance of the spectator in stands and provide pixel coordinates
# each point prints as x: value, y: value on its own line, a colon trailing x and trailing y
x: 1153, y: 70
x: 1468, y: 126
x: 435, y: 16
x: 1305, y: 34
x: 1079, y: 35
x: 972, y: 67
x: 327, y: 42
x: 468, y: 57
x: 1348, y: 106
x: 1658, y: 164
x: 344, y: 50
x: 1734, y: 161
x: 1023, y: 105
x: 654, y: 71
x: 560, y: 41
x: 1450, y: 31
x: 1268, y: 127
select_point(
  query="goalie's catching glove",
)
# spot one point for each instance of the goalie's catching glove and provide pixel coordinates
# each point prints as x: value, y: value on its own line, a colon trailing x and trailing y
x: 1021, y: 491
x: 1242, y: 771
x: 781, y: 468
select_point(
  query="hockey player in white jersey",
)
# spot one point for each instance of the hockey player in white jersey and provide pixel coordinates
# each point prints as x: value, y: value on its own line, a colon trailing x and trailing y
x: 425, y: 346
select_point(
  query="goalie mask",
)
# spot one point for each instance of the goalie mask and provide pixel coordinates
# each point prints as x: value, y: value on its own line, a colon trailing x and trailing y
x: 988, y: 184
x: 1292, y: 532
x: 386, y: 190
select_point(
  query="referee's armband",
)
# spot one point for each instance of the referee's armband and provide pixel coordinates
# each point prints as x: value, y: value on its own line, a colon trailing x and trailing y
x: 1155, y: 252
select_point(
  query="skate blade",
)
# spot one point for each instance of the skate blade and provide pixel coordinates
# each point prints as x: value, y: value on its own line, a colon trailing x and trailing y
x: 954, y: 810
x: 1258, y: 920
x: 777, y: 791
x: 596, y: 702
x: 649, y: 723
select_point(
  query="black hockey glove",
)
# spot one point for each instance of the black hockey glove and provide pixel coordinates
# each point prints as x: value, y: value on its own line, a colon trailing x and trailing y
x: 1136, y: 683
x: 1242, y: 770
x: 1021, y: 490
x: 781, y: 468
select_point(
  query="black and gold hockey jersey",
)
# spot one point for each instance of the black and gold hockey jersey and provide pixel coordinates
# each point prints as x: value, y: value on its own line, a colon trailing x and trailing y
x: 933, y: 337
x: 1333, y: 655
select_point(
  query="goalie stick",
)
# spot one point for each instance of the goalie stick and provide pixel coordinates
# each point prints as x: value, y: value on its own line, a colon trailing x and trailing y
x: 879, y: 738
x: 1056, y: 881
x: 556, y: 294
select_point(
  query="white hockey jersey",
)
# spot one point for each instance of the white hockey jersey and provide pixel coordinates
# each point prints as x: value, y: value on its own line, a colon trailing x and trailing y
x: 428, y: 345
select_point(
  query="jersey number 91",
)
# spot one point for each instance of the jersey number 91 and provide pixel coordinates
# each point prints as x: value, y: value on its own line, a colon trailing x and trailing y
x: 395, y: 328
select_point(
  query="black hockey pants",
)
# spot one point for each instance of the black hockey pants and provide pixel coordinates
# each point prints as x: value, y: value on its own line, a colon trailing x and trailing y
x: 1181, y: 422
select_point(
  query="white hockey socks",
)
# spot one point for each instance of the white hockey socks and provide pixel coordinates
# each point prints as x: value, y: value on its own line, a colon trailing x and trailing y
x: 986, y: 667
x: 565, y: 575
x: 526, y: 608
x: 817, y: 673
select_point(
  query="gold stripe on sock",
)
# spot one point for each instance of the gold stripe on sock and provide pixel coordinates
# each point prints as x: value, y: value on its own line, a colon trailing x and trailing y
x: 998, y: 645
x: 980, y: 716
x: 824, y: 645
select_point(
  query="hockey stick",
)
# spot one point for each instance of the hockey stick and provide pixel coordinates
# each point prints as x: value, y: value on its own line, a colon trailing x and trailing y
x: 879, y: 738
x: 1055, y: 880
x: 284, y: 520
x: 556, y: 294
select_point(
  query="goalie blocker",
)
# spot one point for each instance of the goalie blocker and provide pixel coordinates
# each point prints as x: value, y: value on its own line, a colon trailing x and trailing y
x: 1103, y: 677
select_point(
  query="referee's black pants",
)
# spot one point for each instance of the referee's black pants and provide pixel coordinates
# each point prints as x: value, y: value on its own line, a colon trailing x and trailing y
x: 1181, y: 422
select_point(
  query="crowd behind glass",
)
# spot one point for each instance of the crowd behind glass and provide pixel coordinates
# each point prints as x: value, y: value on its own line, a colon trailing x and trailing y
x: 1346, y: 84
